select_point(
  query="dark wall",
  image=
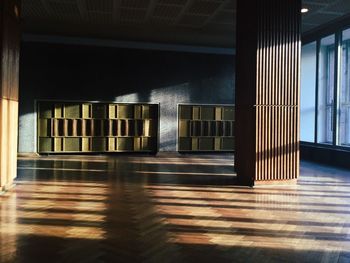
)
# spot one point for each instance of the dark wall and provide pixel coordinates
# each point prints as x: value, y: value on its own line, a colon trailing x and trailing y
x: 62, y: 72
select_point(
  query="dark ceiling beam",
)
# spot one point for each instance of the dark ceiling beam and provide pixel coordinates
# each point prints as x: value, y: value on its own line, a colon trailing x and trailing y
x: 173, y: 35
x: 83, y: 41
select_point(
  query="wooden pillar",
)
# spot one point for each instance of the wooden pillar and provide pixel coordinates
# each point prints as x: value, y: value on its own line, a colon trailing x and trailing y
x: 9, y: 75
x: 267, y: 91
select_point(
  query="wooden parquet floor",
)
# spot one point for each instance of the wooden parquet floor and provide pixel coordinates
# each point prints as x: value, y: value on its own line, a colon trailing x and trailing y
x: 170, y: 208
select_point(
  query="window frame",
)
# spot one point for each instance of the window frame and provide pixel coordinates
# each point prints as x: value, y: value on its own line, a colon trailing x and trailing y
x: 338, y: 33
x: 345, y: 105
x: 326, y: 106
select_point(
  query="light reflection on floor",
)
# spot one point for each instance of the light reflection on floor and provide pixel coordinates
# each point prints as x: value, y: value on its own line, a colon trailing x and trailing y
x: 161, y: 209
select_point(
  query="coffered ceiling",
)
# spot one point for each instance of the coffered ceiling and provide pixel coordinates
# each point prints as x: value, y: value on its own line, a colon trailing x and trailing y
x: 194, y: 22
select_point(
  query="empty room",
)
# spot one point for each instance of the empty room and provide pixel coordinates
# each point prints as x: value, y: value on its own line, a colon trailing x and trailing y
x: 175, y: 131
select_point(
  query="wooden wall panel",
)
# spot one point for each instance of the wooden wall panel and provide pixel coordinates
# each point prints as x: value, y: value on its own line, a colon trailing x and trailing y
x: 9, y: 74
x: 10, y: 49
x: 8, y: 141
x: 267, y: 91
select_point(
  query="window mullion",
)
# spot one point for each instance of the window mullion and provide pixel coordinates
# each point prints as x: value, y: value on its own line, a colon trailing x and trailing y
x: 318, y: 44
x: 337, y: 60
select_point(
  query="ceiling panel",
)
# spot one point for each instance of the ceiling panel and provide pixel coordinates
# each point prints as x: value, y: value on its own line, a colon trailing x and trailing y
x: 342, y: 6
x: 99, y: 6
x: 135, y: 15
x: 230, y: 5
x: 100, y: 18
x: 187, y: 21
x: 202, y: 7
x: 322, y: 12
x: 320, y: 18
x: 167, y: 12
x: 224, y: 17
x: 63, y: 9
x: 135, y: 3
x: 193, y: 21
x: 173, y: 2
x: 34, y: 10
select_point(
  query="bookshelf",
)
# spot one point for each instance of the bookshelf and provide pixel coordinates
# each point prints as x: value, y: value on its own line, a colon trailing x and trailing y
x: 206, y: 128
x: 82, y: 127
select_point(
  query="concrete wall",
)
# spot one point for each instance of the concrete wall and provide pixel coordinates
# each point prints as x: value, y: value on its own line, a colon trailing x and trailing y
x: 63, y: 72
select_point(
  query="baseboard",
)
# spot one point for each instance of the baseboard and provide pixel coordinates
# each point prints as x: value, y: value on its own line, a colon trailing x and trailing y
x: 27, y: 155
x: 6, y: 188
x: 258, y: 184
x: 325, y: 155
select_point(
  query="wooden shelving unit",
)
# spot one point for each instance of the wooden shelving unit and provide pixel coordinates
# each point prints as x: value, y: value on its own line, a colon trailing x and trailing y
x: 206, y: 128
x: 97, y: 127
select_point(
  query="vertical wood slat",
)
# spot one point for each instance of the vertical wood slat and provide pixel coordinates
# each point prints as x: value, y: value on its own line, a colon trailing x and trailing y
x: 8, y: 141
x: 9, y: 79
x: 9, y: 49
x: 267, y: 93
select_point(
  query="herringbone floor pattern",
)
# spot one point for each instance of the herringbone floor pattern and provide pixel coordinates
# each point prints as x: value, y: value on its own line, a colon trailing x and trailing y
x: 170, y: 208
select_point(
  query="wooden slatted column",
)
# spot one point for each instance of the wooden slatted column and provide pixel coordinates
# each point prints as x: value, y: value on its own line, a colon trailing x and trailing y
x: 267, y: 91
x: 9, y: 74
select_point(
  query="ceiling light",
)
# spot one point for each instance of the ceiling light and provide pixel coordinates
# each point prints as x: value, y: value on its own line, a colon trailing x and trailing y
x: 304, y: 10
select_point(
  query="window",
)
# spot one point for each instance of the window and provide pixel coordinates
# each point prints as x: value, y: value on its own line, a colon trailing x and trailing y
x: 325, y: 107
x: 325, y: 90
x: 344, y: 94
x: 308, y: 92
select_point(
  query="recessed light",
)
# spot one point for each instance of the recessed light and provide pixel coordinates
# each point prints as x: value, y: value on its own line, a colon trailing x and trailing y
x: 304, y: 10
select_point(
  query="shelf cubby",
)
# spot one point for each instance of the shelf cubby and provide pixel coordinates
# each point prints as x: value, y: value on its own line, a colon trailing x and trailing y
x: 208, y: 128
x: 97, y: 127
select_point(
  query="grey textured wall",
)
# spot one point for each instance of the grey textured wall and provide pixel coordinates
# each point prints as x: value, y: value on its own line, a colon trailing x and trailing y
x: 62, y: 72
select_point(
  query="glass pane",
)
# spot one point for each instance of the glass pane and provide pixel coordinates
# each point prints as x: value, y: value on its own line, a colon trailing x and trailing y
x: 308, y: 96
x: 344, y: 95
x: 326, y: 90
